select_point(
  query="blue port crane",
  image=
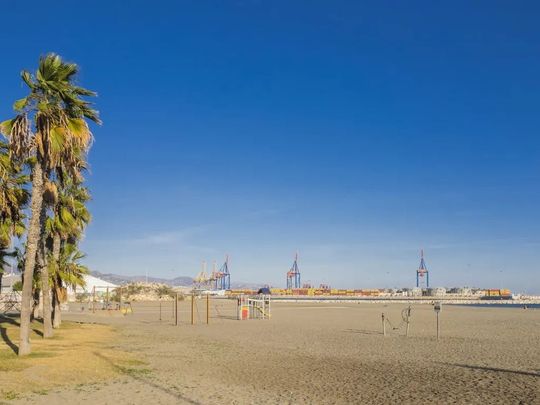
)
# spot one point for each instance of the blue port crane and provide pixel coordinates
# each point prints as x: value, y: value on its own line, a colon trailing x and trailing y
x: 293, y: 275
x: 422, y: 271
x: 223, y: 279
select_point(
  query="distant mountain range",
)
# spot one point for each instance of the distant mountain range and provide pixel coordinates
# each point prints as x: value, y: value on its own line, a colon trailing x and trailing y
x: 120, y: 279
x: 175, y: 282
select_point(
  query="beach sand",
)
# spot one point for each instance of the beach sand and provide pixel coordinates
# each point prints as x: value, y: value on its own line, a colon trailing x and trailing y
x: 324, y: 353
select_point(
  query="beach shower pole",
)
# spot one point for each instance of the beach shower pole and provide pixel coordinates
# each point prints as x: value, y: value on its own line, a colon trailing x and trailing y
x: 438, y: 330
x: 383, y: 325
x: 437, y: 307
x: 408, y: 316
x: 192, y: 308
x: 176, y: 310
x: 207, y: 309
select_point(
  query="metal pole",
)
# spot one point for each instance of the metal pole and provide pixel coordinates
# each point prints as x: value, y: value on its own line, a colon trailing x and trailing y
x: 192, y: 308
x: 120, y: 299
x: 176, y: 310
x: 438, y: 331
x: 408, y: 315
x: 94, y: 300
x: 160, y: 311
x: 383, y: 325
x: 207, y: 309
x: 107, y: 298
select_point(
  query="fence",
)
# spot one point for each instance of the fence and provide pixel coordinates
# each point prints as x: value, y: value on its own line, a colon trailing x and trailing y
x: 255, y: 307
x: 189, y: 309
x: 10, y: 302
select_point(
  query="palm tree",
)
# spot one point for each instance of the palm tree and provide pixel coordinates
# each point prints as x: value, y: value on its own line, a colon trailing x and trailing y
x: 13, y: 199
x: 66, y: 226
x: 50, y: 126
x: 66, y: 272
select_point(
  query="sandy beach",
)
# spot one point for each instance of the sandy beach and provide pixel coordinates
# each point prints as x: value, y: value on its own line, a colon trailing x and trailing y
x: 320, y: 353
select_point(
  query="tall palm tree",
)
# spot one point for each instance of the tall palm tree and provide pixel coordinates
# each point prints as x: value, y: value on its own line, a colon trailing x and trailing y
x: 50, y: 126
x: 67, y: 271
x: 13, y: 199
x: 70, y: 217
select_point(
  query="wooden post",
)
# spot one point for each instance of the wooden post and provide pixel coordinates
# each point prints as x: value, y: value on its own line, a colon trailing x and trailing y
x: 207, y: 309
x: 408, y: 315
x: 176, y: 309
x: 383, y: 325
x: 94, y: 300
x: 192, y: 308
x: 438, y: 331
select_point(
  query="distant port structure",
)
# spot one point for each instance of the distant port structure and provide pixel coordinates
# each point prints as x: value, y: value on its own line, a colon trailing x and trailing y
x: 222, y: 278
x: 293, y: 275
x: 422, y: 271
x: 217, y: 279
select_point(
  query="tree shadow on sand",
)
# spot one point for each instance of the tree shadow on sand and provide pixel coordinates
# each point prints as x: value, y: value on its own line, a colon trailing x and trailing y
x: 147, y: 381
x: 8, y: 341
x: 3, y: 332
x: 363, y: 331
x: 496, y: 369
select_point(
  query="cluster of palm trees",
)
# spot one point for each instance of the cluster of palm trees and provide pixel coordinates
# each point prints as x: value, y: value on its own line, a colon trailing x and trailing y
x: 42, y: 194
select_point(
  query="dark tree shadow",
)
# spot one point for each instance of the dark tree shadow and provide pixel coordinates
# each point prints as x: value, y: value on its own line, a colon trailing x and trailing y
x: 500, y: 370
x: 9, y: 342
x: 9, y: 319
x: 226, y: 317
x: 147, y: 381
x: 363, y: 332
x: 15, y: 322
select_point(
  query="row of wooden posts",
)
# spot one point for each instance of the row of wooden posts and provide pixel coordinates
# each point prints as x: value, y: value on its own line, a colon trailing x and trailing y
x: 175, y: 309
x: 175, y: 306
x: 106, y: 298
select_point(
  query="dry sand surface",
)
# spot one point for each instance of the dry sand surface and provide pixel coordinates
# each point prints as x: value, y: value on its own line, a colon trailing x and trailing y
x: 332, y: 353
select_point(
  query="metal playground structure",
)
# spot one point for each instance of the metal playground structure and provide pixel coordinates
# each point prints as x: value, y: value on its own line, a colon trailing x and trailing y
x: 254, y: 307
x: 405, y: 322
x: 10, y: 302
x: 104, y: 298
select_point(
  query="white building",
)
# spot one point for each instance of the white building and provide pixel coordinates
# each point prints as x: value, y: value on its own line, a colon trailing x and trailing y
x: 92, y: 283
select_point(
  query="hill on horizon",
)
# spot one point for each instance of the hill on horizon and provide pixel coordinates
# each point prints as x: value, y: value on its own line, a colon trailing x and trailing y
x: 181, y: 281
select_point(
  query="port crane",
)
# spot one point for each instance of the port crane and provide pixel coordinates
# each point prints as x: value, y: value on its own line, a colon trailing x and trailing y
x: 293, y: 275
x: 422, y: 271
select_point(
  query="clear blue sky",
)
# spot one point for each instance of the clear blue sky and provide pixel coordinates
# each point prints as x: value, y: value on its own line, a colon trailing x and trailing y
x: 355, y: 132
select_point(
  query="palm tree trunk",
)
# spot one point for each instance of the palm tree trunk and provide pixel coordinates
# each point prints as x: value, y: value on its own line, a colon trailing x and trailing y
x: 45, y: 285
x: 34, y: 234
x: 57, y: 318
x: 36, y: 304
